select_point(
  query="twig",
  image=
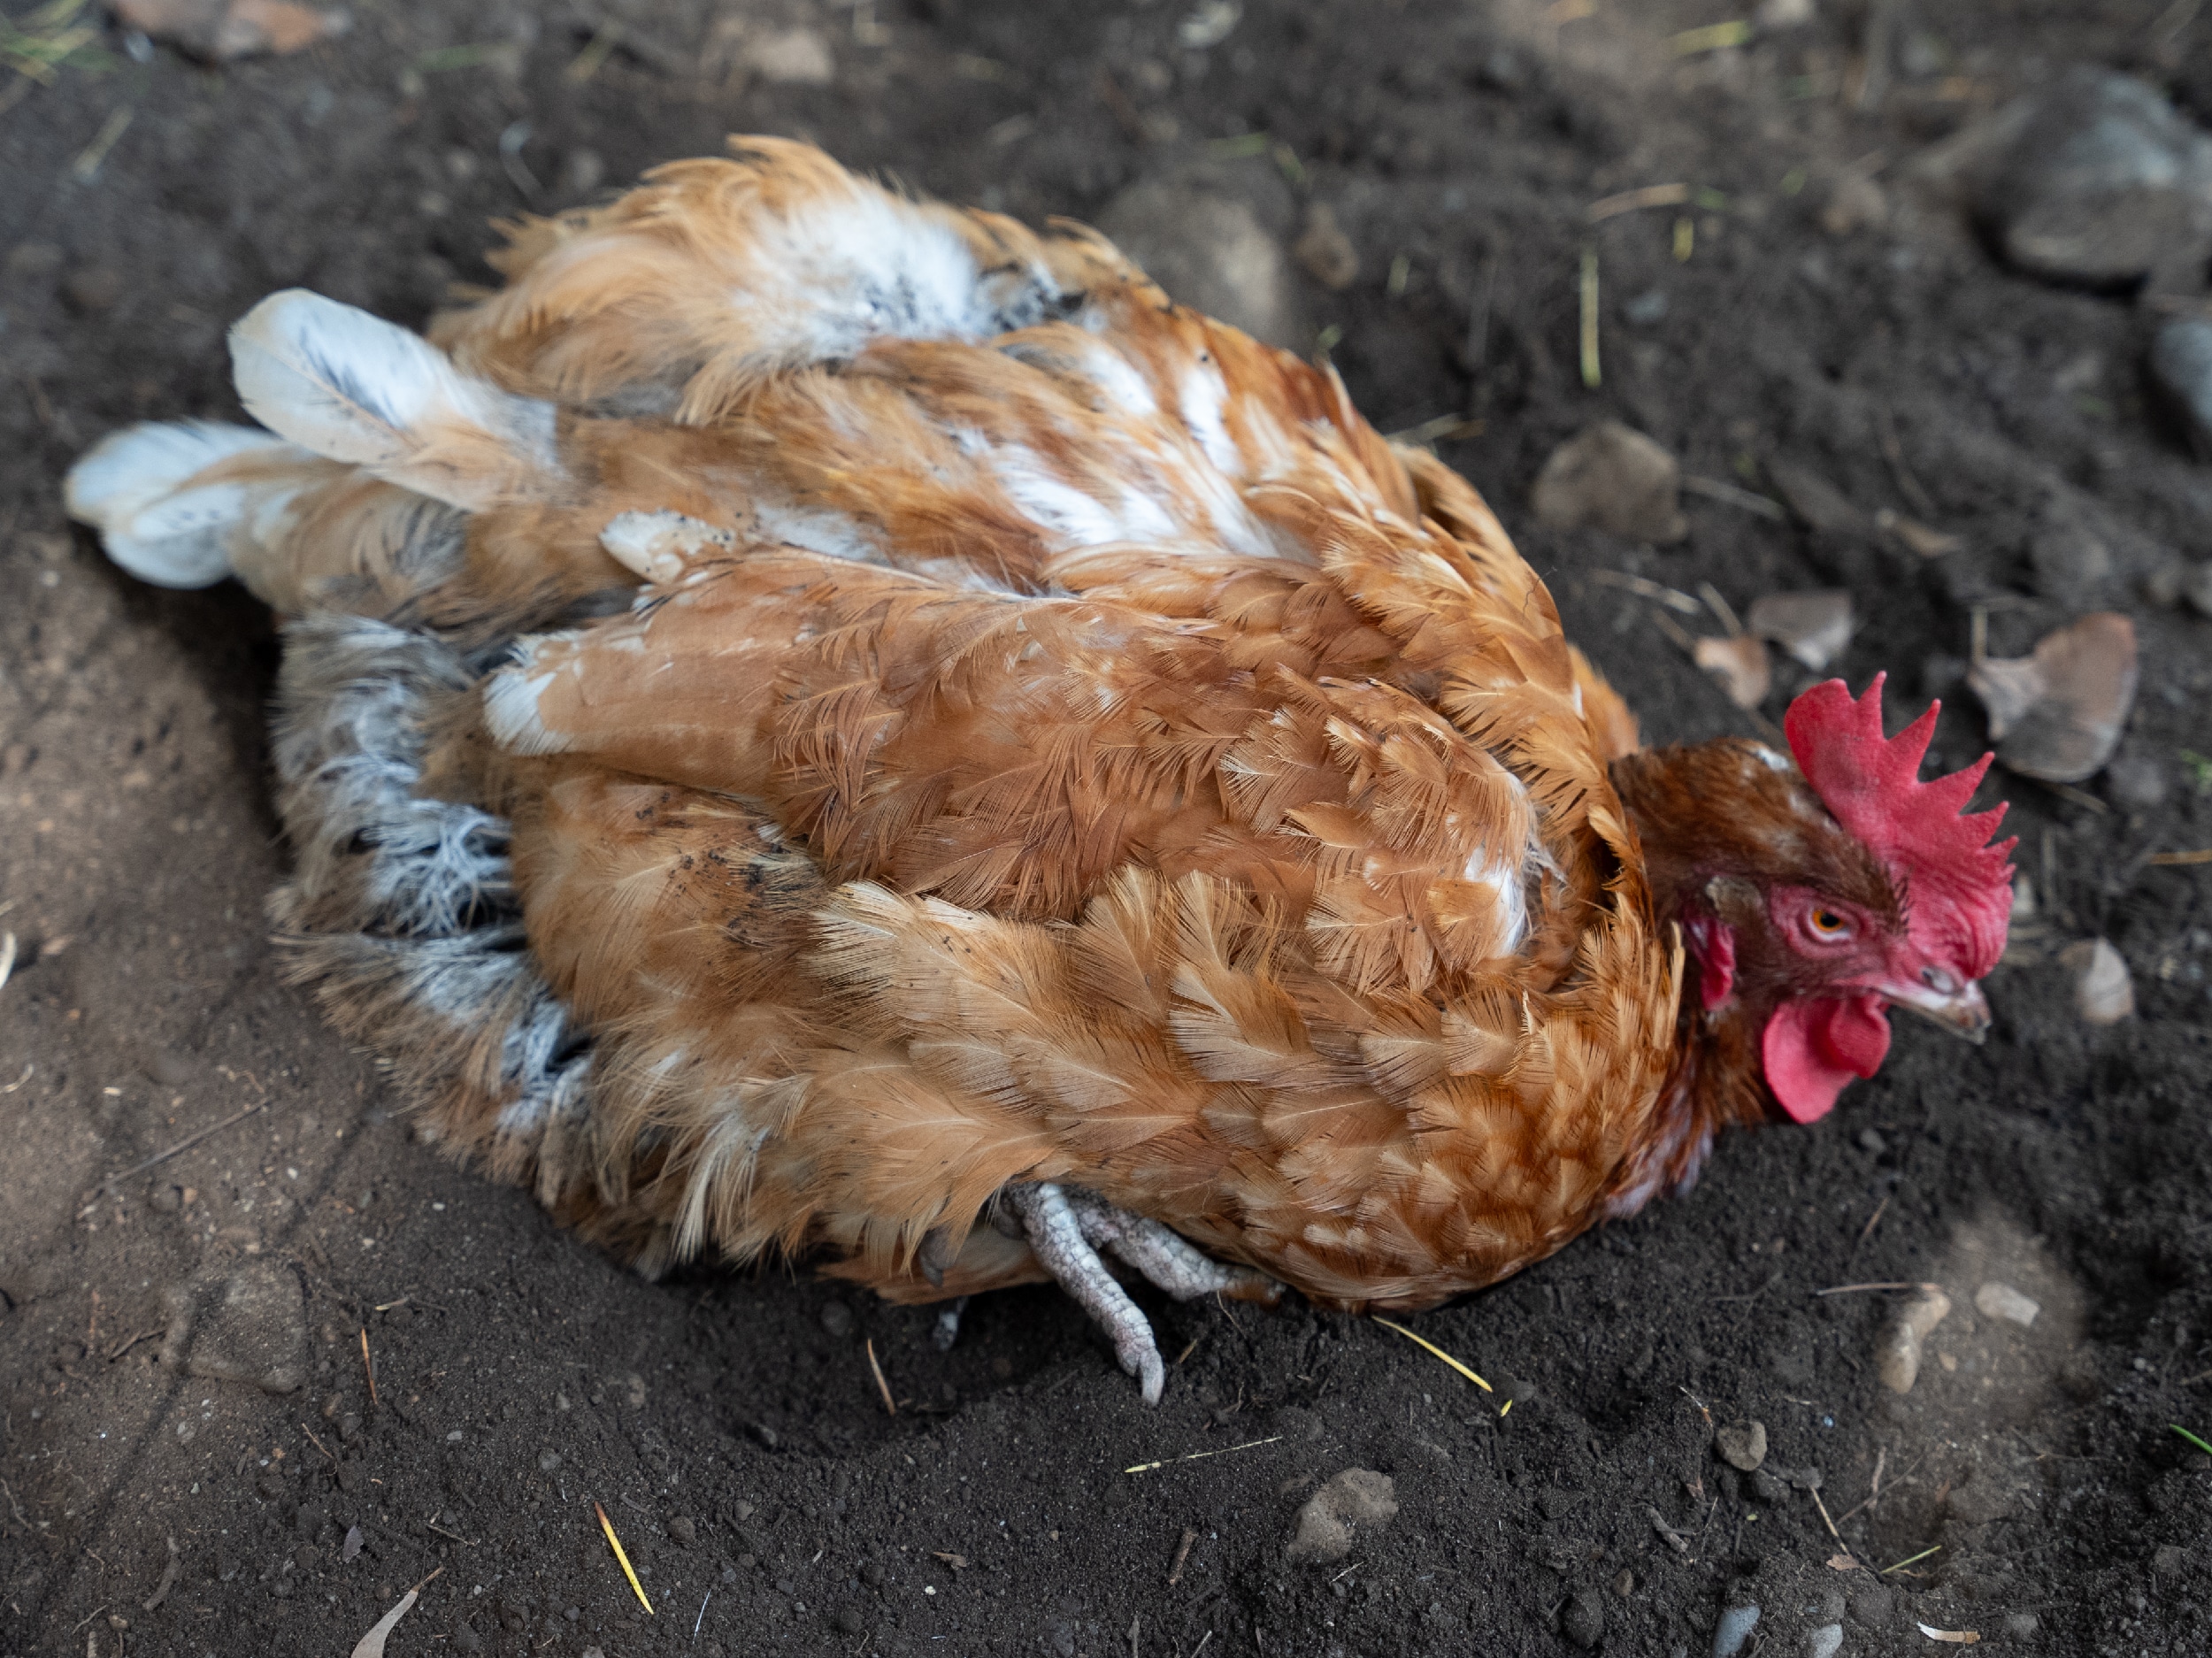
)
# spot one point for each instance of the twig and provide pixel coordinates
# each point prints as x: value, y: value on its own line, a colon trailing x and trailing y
x: 441, y: 1532
x: 1430, y: 1347
x: 1592, y: 376
x: 369, y: 1365
x: 317, y: 1443
x: 882, y: 1386
x: 169, y: 1574
x: 1629, y: 201
x: 1645, y: 588
x: 1813, y: 1492
x: 1908, y: 1559
x: 1852, y: 1289
x: 1873, y: 1221
x: 1192, y: 1456
x: 2173, y: 860
x: 615, y: 1543
x: 134, y: 1341
x: 1720, y: 608
x: 1728, y: 494
x: 1182, y: 1554
x: 1874, y: 1490
x: 186, y: 1144
x: 702, y: 1618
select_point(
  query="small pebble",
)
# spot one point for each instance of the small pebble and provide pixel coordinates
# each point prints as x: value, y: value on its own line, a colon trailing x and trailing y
x: 792, y: 57
x: 683, y: 1531
x: 1742, y: 1445
x: 2104, y: 992
x: 1647, y: 309
x: 1823, y: 1642
x: 2001, y: 1301
x: 1733, y: 1630
x: 1614, y: 479
x: 848, y: 1621
x: 1870, y: 1140
x: 837, y: 1318
x: 1897, y: 1353
x: 549, y: 1461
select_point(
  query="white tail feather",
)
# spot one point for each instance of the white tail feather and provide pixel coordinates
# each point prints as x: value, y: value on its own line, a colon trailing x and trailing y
x: 135, y: 488
x: 355, y: 388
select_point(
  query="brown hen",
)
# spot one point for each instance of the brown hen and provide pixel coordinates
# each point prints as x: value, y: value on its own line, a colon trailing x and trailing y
x: 818, y: 721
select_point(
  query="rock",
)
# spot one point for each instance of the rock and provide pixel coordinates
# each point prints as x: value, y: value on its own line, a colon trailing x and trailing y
x: 1774, y: 15
x: 2136, y: 781
x: 2196, y: 587
x: 1616, y: 478
x: 1767, y: 1488
x: 1739, y: 663
x: 2020, y: 1625
x: 2057, y: 714
x: 1823, y: 1642
x: 792, y: 57
x: 1897, y: 1353
x: 2099, y: 180
x: 848, y: 1620
x: 2104, y: 992
x: 1869, y: 1139
x: 682, y: 1530
x: 1356, y: 1500
x: 245, y: 1325
x: 1733, y: 1630
x: 633, y: 1390
x: 2071, y: 561
x: 837, y: 1318
x: 1582, y: 1622
x: 1742, y: 1445
x: 2001, y: 1301
x: 1647, y: 309
x: 1814, y: 627
x: 549, y: 1461
x: 1210, y: 252
x: 1326, y: 252
x: 2181, y: 369
x: 1819, y: 505
x: 219, y: 30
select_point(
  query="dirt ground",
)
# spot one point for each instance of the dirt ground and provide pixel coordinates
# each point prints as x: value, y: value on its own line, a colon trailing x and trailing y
x: 2031, y: 1484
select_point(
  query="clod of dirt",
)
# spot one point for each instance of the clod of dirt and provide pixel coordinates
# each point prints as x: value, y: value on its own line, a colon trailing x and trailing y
x: 2096, y: 180
x: 2104, y: 991
x: 792, y: 57
x: 1814, y: 627
x: 219, y: 30
x: 1733, y: 1630
x: 247, y: 1325
x: 2136, y: 781
x: 2001, y: 1301
x: 1582, y: 1622
x: 1210, y: 252
x: 1818, y: 504
x: 92, y: 288
x: 1356, y: 1500
x: 2057, y: 713
x: 1897, y: 1354
x: 1613, y: 478
x: 1325, y: 251
x: 1739, y: 663
x: 1742, y: 1445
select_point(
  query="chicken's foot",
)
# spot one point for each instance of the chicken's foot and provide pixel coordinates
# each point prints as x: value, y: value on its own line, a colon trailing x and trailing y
x: 1066, y: 1226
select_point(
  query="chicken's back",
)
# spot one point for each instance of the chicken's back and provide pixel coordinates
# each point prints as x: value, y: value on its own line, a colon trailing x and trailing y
x: 876, y: 705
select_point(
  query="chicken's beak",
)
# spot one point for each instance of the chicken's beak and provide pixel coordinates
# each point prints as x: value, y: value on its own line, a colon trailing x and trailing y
x: 1961, y: 1010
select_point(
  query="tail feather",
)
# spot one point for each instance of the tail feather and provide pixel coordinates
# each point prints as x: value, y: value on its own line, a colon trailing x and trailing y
x: 356, y: 389
x: 166, y: 505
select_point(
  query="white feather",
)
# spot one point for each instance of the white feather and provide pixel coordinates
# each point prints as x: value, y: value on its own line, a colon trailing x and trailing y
x: 135, y: 487
x: 355, y: 388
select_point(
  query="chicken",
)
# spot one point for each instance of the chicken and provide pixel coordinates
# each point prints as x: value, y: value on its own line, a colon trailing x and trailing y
x: 821, y: 723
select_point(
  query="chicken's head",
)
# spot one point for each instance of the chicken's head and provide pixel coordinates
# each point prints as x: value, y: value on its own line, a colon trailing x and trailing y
x: 1814, y: 898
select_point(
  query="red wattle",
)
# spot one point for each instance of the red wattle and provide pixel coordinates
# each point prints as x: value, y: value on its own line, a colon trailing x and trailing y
x: 1813, y: 1047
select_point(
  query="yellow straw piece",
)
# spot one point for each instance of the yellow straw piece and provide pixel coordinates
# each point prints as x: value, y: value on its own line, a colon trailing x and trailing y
x: 1192, y: 1456
x: 1507, y: 1409
x: 1440, y: 1353
x: 615, y: 1543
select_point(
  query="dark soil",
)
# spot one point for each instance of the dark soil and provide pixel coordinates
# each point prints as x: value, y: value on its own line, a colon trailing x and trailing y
x: 729, y: 1425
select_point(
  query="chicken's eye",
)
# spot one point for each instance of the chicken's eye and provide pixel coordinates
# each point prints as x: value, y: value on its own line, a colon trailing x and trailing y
x: 1826, y: 924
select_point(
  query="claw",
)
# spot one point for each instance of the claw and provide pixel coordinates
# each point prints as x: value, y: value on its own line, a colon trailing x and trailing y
x: 1066, y: 1226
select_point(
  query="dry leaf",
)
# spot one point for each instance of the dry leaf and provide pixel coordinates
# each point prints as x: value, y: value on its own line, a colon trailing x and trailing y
x: 958, y: 1563
x: 1956, y: 1637
x: 1814, y: 627
x: 372, y: 1645
x: 2057, y: 713
x: 1842, y: 1562
x: 1740, y: 664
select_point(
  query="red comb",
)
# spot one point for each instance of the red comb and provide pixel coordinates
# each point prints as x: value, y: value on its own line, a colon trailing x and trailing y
x: 1959, y: 891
